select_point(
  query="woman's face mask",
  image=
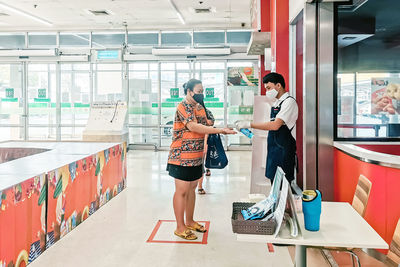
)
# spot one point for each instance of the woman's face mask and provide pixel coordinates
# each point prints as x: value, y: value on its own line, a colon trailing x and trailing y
x: 199, y: 98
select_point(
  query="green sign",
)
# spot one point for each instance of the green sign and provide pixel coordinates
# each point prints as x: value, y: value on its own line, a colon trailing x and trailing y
x: 10, y: 92
x: 209, y: 92
x: 174, y: 92
x: 41, y: 93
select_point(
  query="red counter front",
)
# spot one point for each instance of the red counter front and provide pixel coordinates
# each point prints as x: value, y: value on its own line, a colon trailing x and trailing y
x: 73, y: 192
x: 383, y: 210
x: 23, y: 222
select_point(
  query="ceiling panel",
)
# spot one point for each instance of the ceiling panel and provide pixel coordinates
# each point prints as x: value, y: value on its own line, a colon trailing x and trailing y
x: 139, y: 14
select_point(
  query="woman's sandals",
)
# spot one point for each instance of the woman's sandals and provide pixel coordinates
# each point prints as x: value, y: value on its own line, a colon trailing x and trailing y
x: 197, y: 227
x: 201, y: 191
x: 187, y: 234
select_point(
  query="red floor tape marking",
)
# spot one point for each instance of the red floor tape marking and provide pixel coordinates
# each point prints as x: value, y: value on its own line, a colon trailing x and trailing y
x: 158, y: 225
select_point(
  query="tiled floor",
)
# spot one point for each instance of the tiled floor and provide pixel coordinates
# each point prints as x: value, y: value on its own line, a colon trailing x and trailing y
x: 116, y: 235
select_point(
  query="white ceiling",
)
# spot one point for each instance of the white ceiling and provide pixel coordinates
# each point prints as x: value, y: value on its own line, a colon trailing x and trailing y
x: 139, y: 14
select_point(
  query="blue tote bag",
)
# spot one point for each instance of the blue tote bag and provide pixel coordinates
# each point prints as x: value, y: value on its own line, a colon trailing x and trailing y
x: 216, y: 157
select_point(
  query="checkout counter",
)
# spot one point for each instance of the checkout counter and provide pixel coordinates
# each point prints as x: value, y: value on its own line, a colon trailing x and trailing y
x: 48, y: 188
x: 380, y: 163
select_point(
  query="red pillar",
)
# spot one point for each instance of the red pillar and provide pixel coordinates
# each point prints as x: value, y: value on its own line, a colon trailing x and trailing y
x: 280, y: 37
x: 265, y: 27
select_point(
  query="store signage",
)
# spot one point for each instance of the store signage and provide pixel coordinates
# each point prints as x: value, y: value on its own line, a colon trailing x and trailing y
x: 174, y: 92
x: 108, y: 54
x: 10, y: 92
x: 209, y: 92
x: 41, y: 93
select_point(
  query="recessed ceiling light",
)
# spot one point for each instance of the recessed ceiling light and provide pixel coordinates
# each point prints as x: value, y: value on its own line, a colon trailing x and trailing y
x: 101, y: 12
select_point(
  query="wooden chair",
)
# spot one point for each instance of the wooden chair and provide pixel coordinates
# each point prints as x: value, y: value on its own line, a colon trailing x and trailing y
x: 391, y: 259
x: 360, y: 202
x: 361, y: 195
x: 393, y: 256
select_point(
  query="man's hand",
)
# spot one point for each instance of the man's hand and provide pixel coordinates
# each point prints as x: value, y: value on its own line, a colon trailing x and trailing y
x: 242, y: 124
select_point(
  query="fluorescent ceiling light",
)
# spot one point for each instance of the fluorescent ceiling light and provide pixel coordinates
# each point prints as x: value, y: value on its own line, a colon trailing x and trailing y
x: 180, y: 18
x: 86, y: 39
x: 25, y: 14
x: 177, y: 11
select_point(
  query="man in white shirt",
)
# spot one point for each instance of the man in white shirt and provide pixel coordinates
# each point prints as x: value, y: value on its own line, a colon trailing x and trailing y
x: 281, y: 142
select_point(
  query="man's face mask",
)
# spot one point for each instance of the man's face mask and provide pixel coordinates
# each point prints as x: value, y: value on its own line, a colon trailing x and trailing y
x: 271, y: 94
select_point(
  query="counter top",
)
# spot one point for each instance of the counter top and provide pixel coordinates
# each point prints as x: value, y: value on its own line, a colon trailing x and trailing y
x: 59, y: 154
x: 387, y: 160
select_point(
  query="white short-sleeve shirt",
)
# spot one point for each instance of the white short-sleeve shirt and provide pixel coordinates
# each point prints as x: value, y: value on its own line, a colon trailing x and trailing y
x: 289, y: 111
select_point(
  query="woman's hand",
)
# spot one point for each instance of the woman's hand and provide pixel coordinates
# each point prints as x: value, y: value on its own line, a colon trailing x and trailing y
x: 228, y: 131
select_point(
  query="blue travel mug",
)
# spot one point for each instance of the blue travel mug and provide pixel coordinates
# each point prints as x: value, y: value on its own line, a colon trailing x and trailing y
x: 312, y: 209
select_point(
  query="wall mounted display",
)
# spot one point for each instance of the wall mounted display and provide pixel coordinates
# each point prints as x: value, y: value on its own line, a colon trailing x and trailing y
x: 242, y: 76
x: 385, y: 96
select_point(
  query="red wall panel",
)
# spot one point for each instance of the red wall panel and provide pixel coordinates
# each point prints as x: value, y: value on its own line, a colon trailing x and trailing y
x: 383, y: 210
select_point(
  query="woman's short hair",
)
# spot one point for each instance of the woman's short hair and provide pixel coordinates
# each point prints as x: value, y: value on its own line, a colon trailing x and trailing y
x: 189, y: 85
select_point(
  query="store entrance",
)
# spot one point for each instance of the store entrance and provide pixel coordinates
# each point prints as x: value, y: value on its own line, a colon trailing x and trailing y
x: 155, y: 89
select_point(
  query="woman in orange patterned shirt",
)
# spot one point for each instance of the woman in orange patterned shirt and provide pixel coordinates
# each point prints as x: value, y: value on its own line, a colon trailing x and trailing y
x: 185, y: 160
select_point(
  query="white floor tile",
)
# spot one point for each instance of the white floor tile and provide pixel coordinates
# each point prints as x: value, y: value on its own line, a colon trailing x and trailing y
x: 116, y: 235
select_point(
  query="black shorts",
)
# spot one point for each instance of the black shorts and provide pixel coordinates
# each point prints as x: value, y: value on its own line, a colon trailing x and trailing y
x: 184, y: 173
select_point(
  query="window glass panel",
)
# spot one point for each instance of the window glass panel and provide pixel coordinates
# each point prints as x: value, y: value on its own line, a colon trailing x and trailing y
x: 212, y: 65
x: 11, y: 133
x: 42, y: 133
x: 209, y: 37
x: 42, y: 95
x: 370, y: 55
x: 72, y: 133
x: 108, y: 39
x: 238, y: 37
x: 108, y: 82
x: 179, y: 39
x: 168, y: 66
x: 75, y: 94
x: 74, y: 39
x: 12, y: 40
x: 153, y: 66
x: 182, y: 66
x: 42, y: 39
x: 139, y: 66
x: 143, y: 39
x: 11, y: 98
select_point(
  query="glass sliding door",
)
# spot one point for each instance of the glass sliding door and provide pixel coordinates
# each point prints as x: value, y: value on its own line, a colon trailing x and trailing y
x: 171, y: 95
x: 107, y: 81
x: 11, y: 102
x: 151, y: 112
x: 41, y: 94
x: 212, y: 74
x: 75, y: 99
x: 143, y: 116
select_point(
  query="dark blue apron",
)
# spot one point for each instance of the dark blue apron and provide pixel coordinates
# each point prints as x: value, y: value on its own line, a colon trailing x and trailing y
x: 281, y: 149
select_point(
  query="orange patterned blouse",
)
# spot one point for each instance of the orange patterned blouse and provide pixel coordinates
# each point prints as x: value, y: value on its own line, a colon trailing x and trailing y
x: 187, y: 147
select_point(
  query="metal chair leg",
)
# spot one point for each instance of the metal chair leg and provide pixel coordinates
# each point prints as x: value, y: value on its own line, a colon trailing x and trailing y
x: 354, y: 255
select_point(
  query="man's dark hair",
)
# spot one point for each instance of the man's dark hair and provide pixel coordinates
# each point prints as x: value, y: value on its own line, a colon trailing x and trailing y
x: 274, y: 78
x: 190, y: 85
